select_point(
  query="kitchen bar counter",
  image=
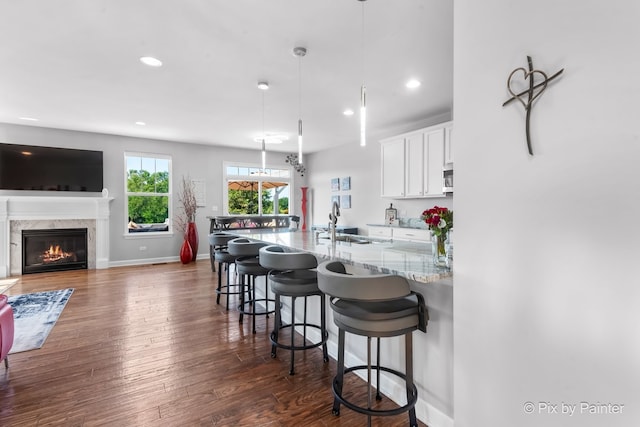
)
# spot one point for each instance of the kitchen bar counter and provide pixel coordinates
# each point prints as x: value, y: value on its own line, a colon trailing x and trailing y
x: 408, y: 259
x: 432, y: 352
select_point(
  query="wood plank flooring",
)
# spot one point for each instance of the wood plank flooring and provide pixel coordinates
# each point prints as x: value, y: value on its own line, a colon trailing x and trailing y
x: 149, y: 346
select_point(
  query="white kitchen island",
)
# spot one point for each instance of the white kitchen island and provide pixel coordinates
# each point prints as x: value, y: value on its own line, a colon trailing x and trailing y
x: 432, y: 352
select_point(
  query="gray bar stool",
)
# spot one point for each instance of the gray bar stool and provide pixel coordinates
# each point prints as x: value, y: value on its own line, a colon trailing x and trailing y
x: 379, y: 306
x: 218, y: 242
x: 293, y: 275
x: 248, y: 265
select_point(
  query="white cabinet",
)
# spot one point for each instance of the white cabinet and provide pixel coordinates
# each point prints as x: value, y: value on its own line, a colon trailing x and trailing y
x: 413, y: 234
x: 412, y: 163
x: 414, y: 170
x: 392, y: 162
x: 433, y: 163
x: 400, y: 233
x: 382, y: 232
x: 448, y: 144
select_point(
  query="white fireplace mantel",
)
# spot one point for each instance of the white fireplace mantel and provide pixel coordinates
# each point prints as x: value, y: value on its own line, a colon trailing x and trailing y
x: 13, y: 208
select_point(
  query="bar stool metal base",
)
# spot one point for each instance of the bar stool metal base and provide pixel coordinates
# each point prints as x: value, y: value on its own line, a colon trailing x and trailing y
x: 375, y: 412
x: 250, y: 307
x: 411, y: 389
x: 292, y: 347
x: 229, y: 288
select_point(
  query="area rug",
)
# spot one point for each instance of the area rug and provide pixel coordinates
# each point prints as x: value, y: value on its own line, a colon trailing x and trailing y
x: 34, y: 317
x: 5, y: 284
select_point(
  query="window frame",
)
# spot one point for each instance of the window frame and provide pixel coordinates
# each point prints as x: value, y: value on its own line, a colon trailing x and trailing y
x: 225, y: 187
x: 127, y: 193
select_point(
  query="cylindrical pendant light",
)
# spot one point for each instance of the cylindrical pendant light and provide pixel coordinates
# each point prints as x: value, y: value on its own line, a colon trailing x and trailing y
x: 263, y: 85
x: 363, y: 115
x: 299, y: 52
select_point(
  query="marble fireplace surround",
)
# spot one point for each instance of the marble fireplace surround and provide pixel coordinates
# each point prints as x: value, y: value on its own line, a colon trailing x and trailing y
x: 33, y: 212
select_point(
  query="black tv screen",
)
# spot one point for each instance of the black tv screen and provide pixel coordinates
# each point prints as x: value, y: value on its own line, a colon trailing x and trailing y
x: 25, y: 167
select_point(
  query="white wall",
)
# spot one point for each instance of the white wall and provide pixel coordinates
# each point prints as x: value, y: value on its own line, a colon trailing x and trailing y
x: 546, y: 282
x: 197, y: 161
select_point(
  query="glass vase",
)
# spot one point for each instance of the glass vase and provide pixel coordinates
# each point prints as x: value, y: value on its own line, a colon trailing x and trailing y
x: 438, y: 249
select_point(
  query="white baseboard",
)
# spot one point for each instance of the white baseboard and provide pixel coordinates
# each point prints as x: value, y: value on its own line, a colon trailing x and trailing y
x: 148, y: 261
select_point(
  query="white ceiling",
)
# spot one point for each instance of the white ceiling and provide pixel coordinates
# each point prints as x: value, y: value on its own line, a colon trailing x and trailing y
x: 74, y: 64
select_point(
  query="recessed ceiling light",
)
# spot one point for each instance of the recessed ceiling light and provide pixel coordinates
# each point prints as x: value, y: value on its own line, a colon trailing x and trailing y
x: 30, y: 119
x: 151, y: 61
x: 348, y: 112
x: 141, y: 123
x: 263, y: 85
x: 413, y: 83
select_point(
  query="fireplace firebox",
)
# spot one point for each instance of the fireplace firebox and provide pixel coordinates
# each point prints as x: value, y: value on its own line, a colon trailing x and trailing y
x: 54, y: 250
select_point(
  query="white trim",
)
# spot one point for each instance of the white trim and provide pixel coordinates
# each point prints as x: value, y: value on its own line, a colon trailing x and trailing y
x: 48, y: 208
x: 151, y: 261
x: 169, y: 194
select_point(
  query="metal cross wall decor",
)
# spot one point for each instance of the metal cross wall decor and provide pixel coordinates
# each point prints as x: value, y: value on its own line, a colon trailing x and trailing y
x: 533, y: 92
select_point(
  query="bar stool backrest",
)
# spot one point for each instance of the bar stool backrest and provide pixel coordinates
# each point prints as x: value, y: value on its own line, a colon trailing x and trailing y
x: 334, y: 281
x: 275, y: 257
x: 241, y: 246
x: 220, y: 239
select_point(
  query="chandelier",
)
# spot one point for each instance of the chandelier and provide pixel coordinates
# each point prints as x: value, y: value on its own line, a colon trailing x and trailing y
x: 292, y: 159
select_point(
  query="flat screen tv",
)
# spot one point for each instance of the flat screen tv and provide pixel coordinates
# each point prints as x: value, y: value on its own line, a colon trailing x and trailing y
x: 25, y: 167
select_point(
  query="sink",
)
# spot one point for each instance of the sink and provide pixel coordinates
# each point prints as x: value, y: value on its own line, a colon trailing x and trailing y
x: 348, y: 238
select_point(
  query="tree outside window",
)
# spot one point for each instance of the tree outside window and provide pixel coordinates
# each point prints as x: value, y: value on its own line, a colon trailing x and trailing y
x: 148, y: 192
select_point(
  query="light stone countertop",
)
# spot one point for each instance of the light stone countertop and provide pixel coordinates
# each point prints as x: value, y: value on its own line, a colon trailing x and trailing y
x: 408, y: 259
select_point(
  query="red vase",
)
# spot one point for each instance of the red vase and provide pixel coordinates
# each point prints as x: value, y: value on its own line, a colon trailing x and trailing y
x: 186, y: 254
x: 192, y: 238
x: 304, y: 207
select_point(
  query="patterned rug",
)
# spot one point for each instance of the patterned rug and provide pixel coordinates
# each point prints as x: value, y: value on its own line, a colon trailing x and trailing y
x: 34, y: 317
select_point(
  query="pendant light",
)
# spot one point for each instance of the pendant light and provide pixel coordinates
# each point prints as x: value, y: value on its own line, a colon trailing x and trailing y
x: 263, y: 86
x: 363, y: 93
x: 299, y: 52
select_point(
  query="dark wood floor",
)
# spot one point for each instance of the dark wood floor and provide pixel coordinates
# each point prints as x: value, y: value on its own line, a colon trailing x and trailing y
x: 150, y: 346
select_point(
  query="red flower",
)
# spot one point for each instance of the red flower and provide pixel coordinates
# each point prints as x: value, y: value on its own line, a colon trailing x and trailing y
x: 439, y: 219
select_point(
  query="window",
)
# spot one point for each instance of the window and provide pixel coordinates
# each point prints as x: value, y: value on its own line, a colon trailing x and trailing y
x: 148, y: 192
x: 244, y: 184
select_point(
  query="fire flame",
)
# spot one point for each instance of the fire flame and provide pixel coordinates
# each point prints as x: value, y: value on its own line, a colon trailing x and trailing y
x: 55, y: 253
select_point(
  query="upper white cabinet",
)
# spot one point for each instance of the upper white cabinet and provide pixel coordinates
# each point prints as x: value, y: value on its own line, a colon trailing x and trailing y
x: 448, y: 144
x: 412, y: 163
x: 414, y: 171
x: 393, y: 168
x: 433, y: 162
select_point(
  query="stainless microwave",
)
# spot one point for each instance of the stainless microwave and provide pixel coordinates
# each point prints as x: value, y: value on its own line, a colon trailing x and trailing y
x: 447, y: 178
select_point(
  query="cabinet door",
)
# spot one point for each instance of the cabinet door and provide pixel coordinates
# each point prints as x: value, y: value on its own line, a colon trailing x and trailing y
x: 433, y: 160
x: 413, y: 234
x: 384, y: 232
x: 448, y: 145
x: 414, y: 147
x: 392, y: 159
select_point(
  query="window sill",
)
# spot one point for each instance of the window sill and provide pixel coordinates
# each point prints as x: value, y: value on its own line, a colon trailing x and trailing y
x: 148, y: 235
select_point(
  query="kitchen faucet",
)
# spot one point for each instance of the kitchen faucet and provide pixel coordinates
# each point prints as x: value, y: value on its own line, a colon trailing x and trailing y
x: 333, y: 220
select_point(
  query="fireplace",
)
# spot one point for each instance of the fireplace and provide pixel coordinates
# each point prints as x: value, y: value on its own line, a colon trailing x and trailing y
x: 54, y: 250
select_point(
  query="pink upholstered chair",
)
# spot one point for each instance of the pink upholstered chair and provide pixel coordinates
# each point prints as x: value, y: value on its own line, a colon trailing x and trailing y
x: 6, y: 329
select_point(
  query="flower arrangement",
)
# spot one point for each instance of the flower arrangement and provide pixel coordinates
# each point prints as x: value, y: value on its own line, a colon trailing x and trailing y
x: 439, y: 220
x: 187, y: 197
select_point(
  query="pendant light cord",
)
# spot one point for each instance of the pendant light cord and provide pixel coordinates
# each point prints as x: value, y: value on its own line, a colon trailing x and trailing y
x: 362, y: 44
x: 363, y: 90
